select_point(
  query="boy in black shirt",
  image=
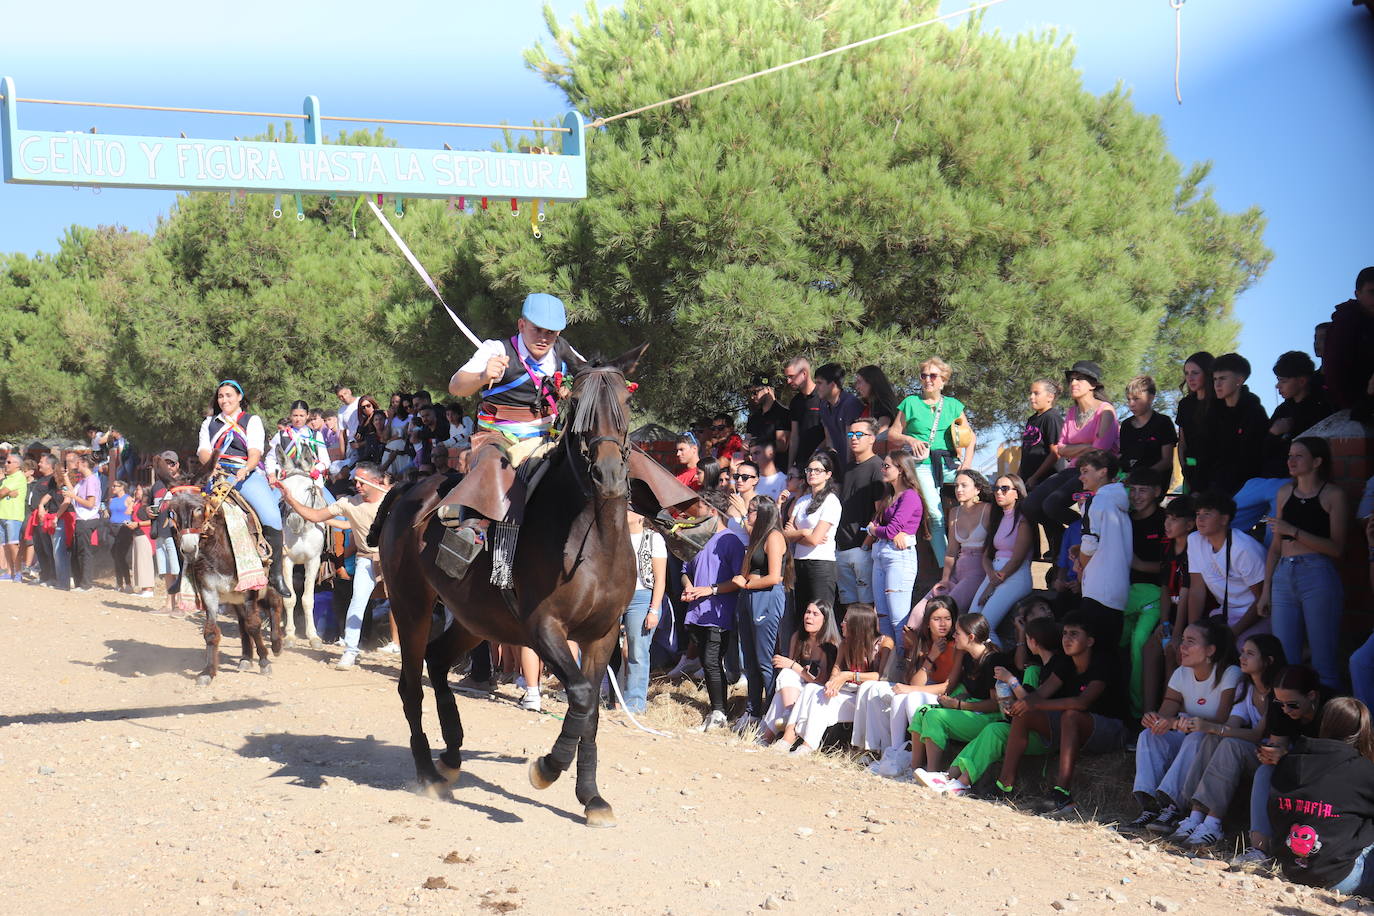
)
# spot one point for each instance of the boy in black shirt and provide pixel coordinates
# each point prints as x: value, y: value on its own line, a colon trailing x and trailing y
x: 1141, y: 614
x: 1147, y: 438
x: 1237, y: 424
x: 1077, y: 707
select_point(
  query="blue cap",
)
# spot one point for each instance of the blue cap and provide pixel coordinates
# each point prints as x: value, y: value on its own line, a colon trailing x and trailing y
x: 546, y: 311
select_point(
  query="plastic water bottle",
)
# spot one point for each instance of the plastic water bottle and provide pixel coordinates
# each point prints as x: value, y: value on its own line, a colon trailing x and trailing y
x: 1005, y: 697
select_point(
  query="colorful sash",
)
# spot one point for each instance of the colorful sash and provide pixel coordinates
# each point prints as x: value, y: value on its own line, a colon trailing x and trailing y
x: 517, y: 429
x: 232, y: 429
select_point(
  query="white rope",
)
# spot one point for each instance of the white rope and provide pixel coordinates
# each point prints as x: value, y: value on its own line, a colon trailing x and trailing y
x: 599, y: 122
x: 1177, y: 6
x: 620, y: 698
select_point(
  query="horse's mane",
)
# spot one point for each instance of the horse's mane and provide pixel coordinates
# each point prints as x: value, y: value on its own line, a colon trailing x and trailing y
x: 596, y: 393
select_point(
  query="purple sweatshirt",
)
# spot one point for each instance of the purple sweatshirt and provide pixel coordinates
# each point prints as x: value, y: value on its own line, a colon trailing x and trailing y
x: 903, y: 515
x: 719, y: 561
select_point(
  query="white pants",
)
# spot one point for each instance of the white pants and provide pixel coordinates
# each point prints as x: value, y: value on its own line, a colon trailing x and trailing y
x: 882, y: 717
x: 775, y: 719
x: 815, y: 712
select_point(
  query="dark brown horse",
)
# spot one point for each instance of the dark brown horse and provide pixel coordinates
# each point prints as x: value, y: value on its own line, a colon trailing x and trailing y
x: 208, y: 562
x: 574, y: 577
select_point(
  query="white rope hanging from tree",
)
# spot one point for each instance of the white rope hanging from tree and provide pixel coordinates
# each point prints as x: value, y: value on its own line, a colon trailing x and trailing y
x: 1177, y: 6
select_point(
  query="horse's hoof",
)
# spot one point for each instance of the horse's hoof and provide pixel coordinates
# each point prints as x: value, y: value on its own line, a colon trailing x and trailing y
x: 265, y: 667
x: 245, y: 665
x: 537, y: 778
x: 289, y: 642
x: 203, y: 680
x: 450, y: 774
x: 599, y: 814
x: 316, y: 642
x: 435, y: 790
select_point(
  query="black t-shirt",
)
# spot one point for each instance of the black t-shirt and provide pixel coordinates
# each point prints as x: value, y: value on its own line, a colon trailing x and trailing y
x: 1235, y: 446
x: 822, y: 663
x: 976, y: 680
x: 38, y: 488
x: 764, y: 425
x: 1305, y: 414
x: 805, y: 411
x: 1042, y: 431
x: 1281, y: 725
x: 1173, y: 571
x: 1072, y: 682
x: 1147, y: 543
x: 1143, y: 446
x: 860, y: 489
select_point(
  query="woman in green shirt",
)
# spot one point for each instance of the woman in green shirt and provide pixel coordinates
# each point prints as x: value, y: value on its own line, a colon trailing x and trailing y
x: 925, y: 424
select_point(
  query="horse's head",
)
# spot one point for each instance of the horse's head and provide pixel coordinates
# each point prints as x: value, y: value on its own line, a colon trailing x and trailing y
x: 601, y: 422
x: 184, y: 507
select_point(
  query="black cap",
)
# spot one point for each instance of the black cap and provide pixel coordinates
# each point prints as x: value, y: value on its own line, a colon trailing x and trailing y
x: 761, y: 380
x: 1086, y: 367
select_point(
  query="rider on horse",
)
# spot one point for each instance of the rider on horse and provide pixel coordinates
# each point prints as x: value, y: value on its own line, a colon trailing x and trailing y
x: 524, y: 378
x: 238, y: 438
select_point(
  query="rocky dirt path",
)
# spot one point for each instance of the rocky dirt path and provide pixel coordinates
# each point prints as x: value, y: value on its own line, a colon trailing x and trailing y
x: 128, y: 789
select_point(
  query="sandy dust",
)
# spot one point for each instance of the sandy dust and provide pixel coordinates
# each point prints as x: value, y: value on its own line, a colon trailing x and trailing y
x: 128, y: 789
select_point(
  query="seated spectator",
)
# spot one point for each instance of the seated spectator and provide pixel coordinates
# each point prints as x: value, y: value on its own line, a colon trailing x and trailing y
x: 1031, y: 607
x: 1091, y: 424
x: 925, y: 426
x: 882, y: 716
x: 1077, y: 708
x: 1322, y: 803
x: 1362, y: 661
x: 1228, y: 565
x: 1144, y: 489
x: 1006, y: 555
x: 968, y: 530
x: 1348, y: 362
x: 767, y: 420
x: 711, y: 595
x: 1147, y: 438
x: 839, y: 409
x: 1194, y: 414
x: 1104, y: 554
x: 1211, y: 781
x: 878, y: 397
x: 763, y: 580
x: 862, y: 657
x: 810, y: 659
x: 892, y: 536
x: 1237, y: 426
x: 1041, y: 434
x: 1303, y: 407
x: 1042, y: 642
x: 1302, y: 586
x: 772, y: 481
x: 1159, y: 657
x: 1203, y: 689
x: 963, y: 711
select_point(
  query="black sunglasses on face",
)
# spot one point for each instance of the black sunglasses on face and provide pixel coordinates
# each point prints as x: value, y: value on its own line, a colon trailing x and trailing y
x: 1291, y: 705
x: 1004, y: 489
x: 746, y: 477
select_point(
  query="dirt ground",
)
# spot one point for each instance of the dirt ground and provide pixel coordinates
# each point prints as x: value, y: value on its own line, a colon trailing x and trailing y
x: 128, y: 789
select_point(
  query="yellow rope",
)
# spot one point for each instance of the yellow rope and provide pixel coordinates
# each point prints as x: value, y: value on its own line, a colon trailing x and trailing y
x: 279, y: 114
x: 599, y: 122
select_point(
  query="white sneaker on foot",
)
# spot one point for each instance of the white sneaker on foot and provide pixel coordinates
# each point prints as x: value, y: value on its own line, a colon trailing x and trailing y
x: 715, y: 720
x: 346, y: 661
x: 530, y: 701
x: 391, y: 648
x: 940, y: 782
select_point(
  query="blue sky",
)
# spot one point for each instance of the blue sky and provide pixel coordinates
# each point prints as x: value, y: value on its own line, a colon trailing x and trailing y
x: 1277, y: 94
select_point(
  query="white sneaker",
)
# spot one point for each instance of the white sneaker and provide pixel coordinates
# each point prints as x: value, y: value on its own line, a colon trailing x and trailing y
x: 530, y: 701
x: 390, y: 648
x: 1205, y: 835
x: 146, y: 593
x: 1185, y: 829
x: 940, y: 782
x: 715, y: 720
x: 346, y: 661
x: 742, y: 683
x: 1251, y: 858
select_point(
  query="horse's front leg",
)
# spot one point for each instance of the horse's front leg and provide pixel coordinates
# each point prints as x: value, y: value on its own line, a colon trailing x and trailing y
x: 594, y: 661
x: 211, y: 632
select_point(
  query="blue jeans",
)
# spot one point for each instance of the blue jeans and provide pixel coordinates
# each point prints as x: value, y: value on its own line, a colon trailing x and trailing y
x: 637, y: 641
x: 1258, y: 497
x: 934, y: 510
x: 894, y: 574
x: 757, y: 619
x: 62, y: 558
x: 1259, y: 803
x: 854, y: 575
x: 1354, y: 883
x: 1307, y: 599
x: 1362, y: 673
x: 364, y: 579
x: 256, y: 490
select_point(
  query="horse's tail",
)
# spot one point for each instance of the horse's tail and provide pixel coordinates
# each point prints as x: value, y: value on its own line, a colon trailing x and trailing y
x: 374, y: 534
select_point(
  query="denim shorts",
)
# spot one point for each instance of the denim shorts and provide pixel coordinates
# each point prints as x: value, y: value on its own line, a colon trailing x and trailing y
x: 11, y: 530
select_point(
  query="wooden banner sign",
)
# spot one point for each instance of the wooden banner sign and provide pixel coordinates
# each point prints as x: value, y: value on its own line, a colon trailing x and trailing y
x: 308, y: 167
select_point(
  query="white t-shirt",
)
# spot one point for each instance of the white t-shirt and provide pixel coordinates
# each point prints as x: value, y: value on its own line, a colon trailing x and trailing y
x: 658, y: 550
x: 771, y: 485
x: 829, y: 512
x: 348, y: 418
x: 1247, y: 570
x: 1202, y: 699
x: 490, y: 348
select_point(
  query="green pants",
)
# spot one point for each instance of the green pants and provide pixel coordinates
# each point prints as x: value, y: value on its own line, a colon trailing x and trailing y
x: 938, y: 725
x: 1139, y: 619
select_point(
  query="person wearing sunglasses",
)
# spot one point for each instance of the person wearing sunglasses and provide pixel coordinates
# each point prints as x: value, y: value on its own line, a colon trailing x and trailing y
x: 1006, y: 555
x: 924, y: 425
x: 741, y: 489
x: 725, y: 443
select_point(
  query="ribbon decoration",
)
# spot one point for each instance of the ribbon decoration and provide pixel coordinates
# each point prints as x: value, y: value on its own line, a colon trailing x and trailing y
x: 276, y: 207
x: 300, y: 210
x: 424, y: 274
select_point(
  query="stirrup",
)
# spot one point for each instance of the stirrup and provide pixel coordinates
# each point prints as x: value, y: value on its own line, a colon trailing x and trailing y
x: 458, y: 548
x: 450, y: 514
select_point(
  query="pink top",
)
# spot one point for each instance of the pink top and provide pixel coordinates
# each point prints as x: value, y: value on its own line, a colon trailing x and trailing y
x: 1005, y: 538
x: 1090, y: 432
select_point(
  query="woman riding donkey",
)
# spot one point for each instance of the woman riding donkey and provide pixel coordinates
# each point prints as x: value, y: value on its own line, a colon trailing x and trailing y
x: 237, y: 438
x: 523, y: 378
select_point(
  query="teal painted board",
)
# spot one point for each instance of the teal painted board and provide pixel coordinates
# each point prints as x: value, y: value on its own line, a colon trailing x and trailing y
x: 112, y: 160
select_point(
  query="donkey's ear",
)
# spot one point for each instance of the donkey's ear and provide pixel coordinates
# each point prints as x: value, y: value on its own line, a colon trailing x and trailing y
x: 206, y: 469
x: 629, y: 360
